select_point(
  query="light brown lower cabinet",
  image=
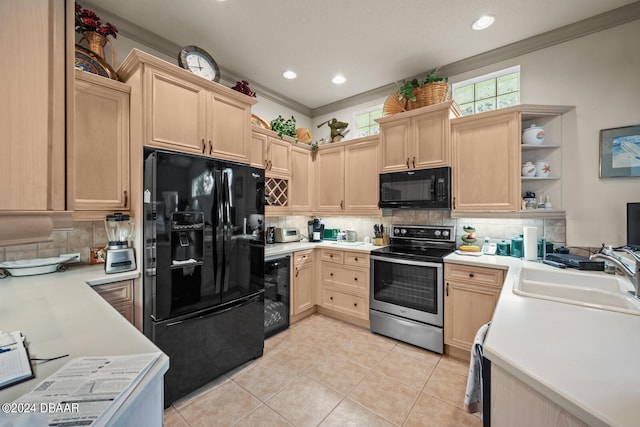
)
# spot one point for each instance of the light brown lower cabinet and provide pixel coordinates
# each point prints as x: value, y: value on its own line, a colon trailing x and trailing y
x: 344, y: 285
x: 120, y: 296
x: 301, y: 296
x: 471, y: 295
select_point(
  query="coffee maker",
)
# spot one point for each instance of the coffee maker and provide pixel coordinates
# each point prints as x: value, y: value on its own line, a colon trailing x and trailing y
x: 316, y: 230
x: 120, y: 257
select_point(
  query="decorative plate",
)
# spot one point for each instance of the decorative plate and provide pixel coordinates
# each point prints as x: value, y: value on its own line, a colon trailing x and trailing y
x: 87, y: 60
x: 260, y: 122
x: 393, y: 104
x: 30, y: 267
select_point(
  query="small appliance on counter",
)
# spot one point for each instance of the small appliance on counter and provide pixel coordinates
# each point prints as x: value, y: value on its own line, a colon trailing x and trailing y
x: 286, y: 235
x: 316, y: 230
x: 120, y: 257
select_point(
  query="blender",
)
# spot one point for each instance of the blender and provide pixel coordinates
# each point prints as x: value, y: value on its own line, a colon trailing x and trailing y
x: 120, y: 257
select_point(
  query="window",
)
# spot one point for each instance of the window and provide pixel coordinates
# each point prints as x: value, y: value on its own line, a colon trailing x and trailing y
x: 489, y: 92
x: 366, y: 121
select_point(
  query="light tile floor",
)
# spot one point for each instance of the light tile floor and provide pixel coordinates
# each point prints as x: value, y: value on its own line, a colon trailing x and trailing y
x: 324, y: 372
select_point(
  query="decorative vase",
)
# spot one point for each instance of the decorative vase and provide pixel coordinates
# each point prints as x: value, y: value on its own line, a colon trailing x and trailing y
x: 96, y: 42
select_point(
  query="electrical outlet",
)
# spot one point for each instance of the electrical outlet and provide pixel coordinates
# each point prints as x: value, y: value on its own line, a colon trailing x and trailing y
x: 76, y: 257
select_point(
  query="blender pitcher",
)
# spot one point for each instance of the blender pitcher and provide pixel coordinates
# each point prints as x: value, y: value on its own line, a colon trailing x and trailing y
x: 120, y: 229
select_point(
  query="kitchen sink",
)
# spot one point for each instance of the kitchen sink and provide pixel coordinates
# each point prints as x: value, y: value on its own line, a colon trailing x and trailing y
x: 593, y: 290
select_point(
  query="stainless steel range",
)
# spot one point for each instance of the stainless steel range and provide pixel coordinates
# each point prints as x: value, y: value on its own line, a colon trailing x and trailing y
x: 407, y: 281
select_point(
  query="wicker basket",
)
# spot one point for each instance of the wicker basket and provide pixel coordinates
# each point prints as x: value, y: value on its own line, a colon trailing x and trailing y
x: 429, y: 94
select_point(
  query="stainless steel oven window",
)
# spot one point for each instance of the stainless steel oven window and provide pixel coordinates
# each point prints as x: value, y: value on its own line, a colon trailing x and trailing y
x: 411, y: 289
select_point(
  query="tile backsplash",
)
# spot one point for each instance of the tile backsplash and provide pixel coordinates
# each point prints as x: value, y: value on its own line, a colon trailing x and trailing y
x: 84, y: 236
x: 88, y: 234
x: 553, y: 230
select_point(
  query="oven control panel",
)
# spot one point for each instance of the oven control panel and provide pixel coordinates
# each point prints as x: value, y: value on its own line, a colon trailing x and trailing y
x: 423, y: 232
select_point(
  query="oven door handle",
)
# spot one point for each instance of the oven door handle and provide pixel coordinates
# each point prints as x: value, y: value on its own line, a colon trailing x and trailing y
x: 407, y: 261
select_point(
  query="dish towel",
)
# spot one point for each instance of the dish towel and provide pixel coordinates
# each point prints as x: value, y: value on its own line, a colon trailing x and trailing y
x: 473, y: 395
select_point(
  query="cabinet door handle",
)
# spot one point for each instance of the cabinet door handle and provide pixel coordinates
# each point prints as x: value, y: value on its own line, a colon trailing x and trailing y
x: 126, y: 199
x: 210, y: 148
x: 447, y: 289
x: 331, y: 256
x: 296, y: 271
x: 356, y: 259
x: 355, y: 278
x: 407, y: 163
x: 331, y: 298
x: 270, y: 165
x: 204, y: 146
x: 355, y: 304
x: 331, y: 274
x: 454, y: 203
x: 342, y: 204
x: 266, y: 165
x: 414, y: 162
x: 471, y: 275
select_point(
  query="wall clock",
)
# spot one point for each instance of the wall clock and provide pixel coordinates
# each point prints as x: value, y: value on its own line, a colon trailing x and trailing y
x: 199, y: 62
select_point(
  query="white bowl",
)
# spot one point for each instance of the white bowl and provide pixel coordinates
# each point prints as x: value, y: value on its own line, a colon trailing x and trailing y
x: 533, y: 135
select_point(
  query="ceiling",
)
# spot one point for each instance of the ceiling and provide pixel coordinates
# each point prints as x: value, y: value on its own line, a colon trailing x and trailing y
x: 373, y: 43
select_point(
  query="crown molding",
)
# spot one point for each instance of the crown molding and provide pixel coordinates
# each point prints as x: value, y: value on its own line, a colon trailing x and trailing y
x: 603, y: 21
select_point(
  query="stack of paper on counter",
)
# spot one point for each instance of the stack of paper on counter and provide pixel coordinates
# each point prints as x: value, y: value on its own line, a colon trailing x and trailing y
x: 15, y: 365
x: 88, y: 390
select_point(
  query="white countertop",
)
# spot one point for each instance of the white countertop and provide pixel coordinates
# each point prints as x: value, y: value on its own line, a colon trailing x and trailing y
x: 585, y: 360
x: 60, y: 314
x: 287, y: 248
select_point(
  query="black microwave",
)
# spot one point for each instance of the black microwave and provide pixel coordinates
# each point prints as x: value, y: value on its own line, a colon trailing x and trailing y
x: 416, y: 189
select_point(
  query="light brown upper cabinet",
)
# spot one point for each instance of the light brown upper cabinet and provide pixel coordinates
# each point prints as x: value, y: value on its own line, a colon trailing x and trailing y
x: 183, y: 112
x: 98, y: 153
x: 32, y: 106
x: 417, y: 139
x: 346, y: 177
x: 301, y: 183
x: 276, y: 152
x: 487, y: 156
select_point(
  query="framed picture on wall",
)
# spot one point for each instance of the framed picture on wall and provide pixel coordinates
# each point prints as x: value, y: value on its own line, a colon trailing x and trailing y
x: 620, y: 152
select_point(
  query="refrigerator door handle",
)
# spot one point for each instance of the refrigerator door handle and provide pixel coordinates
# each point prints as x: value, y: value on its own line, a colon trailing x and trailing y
x: 218, y: 224
x: 217, y: 312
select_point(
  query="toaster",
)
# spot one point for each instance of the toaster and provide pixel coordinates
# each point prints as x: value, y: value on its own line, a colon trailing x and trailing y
x: 284, y: 235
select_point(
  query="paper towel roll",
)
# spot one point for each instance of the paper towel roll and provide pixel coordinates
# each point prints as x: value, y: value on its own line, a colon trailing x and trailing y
x: 530, y: 235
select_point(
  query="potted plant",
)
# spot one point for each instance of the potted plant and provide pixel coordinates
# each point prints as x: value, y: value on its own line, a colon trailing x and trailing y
x: 284, y: 127
x: 419, y: 93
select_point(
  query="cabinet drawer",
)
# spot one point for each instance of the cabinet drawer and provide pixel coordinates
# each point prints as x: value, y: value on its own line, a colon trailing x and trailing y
x: 356, y: 259
x: 116, y: 292
x: 346, y: 278
x: 352, y: 305
x: 126, y: 310
x: 474, y: 275
x: 329, y: 255
x: 301, y: 258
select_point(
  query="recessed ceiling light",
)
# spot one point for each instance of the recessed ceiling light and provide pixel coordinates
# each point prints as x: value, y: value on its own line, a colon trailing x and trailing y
x: 339, y: 79
x: 289, y: 74
x: 483, y: 22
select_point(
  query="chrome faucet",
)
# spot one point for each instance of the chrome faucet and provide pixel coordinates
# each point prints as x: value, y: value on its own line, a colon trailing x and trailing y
x: 609, y: 256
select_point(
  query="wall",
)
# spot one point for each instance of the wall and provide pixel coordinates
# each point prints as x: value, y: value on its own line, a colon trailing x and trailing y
x: 598, y: 74
x: 85, y: 235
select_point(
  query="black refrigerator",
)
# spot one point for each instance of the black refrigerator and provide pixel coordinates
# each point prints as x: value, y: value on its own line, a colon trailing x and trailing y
x: 203, y: 285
